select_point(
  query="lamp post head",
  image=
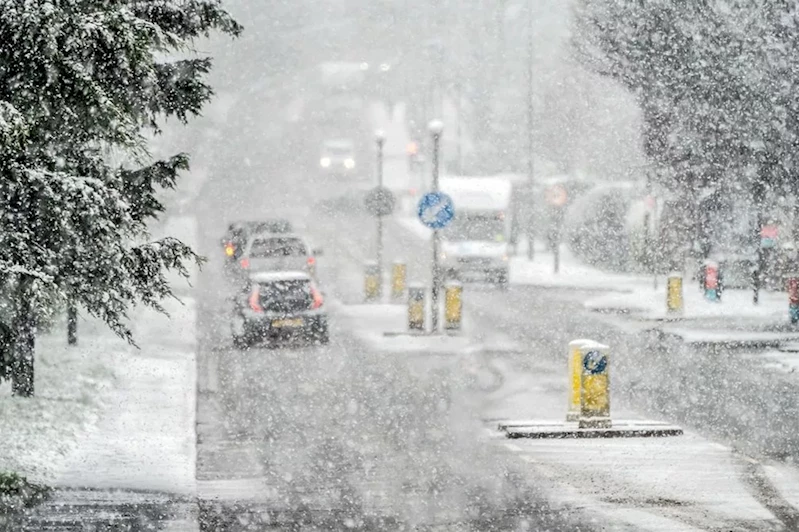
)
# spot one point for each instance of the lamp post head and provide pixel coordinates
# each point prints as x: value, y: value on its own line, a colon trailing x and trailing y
x: 436, y: 127
x: 380, y: 136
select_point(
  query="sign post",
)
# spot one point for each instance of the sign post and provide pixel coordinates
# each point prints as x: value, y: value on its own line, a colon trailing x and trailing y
x: 436, y: 211
x: 436, y: 128
x: 557, y: 198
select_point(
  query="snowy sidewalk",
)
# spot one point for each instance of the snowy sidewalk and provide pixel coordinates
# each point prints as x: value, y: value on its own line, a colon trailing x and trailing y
x: 648, y: 303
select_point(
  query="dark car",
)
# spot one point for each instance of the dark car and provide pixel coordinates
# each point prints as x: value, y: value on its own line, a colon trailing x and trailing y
x: 268, y: 252
x: 238, y: 233
x: 279, y: 306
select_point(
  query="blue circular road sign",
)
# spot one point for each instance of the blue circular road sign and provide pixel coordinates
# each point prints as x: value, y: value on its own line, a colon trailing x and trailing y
x: 595, y: 362
x: 436, y: 210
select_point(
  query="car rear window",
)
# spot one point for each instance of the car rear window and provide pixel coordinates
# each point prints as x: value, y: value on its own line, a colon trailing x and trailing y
x: 285, y: 295
x: 277, y: 247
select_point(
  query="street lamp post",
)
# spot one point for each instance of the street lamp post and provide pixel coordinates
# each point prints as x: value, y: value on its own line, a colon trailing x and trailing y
x: 380, y: 138
x: 436, y: 127
x: 530, y: 136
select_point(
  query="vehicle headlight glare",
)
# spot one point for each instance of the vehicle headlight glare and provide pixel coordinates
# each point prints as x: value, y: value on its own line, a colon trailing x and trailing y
x: 325, y: 162
x: 349, y: 163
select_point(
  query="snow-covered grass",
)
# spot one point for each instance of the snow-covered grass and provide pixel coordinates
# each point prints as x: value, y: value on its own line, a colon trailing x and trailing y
x: 106, y: 414
x: 37, y: 433
x: 145, y: 435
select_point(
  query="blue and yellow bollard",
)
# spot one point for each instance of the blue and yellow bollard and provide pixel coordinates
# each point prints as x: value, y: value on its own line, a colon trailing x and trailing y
x: 416, y: 308
x: 575, y: 371
x: 371, y: 286
x: 793, y: 298
x: 453, y: 305
x: 399, y: 272
x: 674, y: 299
x: 594, y: 386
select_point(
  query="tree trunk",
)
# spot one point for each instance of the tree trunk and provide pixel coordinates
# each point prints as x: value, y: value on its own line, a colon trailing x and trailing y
x: 72, y: 324
x: 24, y: 341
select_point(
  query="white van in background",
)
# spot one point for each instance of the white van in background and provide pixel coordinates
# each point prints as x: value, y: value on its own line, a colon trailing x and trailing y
x: 476, y: 243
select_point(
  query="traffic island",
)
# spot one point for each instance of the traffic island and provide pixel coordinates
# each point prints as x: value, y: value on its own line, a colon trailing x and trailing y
x: 564, y: 430
x: 588, y: 411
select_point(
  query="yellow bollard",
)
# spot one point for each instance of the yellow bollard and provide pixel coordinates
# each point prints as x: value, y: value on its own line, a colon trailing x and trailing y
x: 453, y: 305
x: 371, y: 282
x: 416, y: 308
x: 595, y: 387
x: 398, y: 275
x: 575, y: 376
x: 674, y: 299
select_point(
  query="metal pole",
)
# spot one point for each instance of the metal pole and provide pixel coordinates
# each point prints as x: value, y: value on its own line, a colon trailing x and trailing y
x: 530, y: 139
x: 459, y: 107
x: 380, y: 141
x: 436, y: 269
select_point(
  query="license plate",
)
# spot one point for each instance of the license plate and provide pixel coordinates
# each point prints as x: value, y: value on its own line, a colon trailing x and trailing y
x: 296, y: 322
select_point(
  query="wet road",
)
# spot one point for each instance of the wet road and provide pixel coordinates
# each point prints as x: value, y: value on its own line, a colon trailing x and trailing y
x: 338, y: 436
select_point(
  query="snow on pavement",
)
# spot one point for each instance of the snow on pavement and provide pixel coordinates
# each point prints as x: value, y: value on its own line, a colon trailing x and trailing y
x: 647, y: 303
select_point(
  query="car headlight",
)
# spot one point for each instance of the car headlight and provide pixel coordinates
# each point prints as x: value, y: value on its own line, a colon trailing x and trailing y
x: 325, y: 162
x: 349, y: 163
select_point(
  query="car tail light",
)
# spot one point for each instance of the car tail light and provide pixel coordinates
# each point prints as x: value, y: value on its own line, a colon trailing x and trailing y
x: 245, y: 263
x: 311, y: 261
x: 318, y: 300
x: 255, y: 305
x: 230, y: 249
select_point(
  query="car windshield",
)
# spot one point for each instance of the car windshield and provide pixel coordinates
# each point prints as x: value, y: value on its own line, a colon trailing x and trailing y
x: 475, y: 227
x: 267, y: 248
x: 338, y: 150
